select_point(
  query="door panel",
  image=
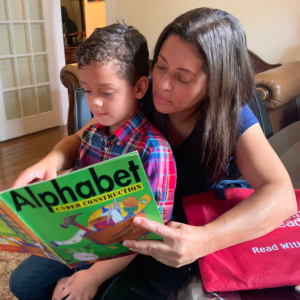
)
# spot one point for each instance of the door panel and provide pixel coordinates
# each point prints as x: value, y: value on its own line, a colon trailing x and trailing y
x: 29, y: 76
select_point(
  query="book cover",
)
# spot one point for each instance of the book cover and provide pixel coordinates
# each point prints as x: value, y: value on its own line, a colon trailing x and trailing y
x: 81, y: 217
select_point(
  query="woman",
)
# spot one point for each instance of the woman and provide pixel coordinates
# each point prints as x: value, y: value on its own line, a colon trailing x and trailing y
x: 202, y: 81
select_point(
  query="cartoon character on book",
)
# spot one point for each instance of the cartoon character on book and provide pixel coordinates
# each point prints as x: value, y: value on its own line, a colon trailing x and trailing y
x: 109, y: 225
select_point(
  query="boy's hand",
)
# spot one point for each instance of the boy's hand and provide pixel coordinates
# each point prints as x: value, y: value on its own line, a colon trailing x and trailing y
x: 43, y: 170
x: 81, y: 286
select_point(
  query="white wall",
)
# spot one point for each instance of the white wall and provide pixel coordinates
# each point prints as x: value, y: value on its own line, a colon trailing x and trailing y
x: 272, y: 26
x: 94, y: 16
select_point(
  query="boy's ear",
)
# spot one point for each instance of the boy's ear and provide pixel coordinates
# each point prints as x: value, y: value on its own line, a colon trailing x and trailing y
x: 141, y: 87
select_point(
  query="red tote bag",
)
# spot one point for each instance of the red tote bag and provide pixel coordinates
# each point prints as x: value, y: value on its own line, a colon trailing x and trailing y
x: 269, y: 261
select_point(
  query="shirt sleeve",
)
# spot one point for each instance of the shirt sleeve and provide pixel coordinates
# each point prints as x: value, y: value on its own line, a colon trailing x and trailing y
x: 160, y: 169
x: 246, y: 119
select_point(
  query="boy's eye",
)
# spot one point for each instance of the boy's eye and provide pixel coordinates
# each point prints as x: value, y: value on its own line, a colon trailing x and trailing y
x: 107, y: 94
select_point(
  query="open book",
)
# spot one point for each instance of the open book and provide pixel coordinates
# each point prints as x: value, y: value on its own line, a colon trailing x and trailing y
x: 80, y: 217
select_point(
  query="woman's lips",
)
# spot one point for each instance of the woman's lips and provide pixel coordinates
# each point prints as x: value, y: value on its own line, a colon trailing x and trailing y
x: 160, y: 99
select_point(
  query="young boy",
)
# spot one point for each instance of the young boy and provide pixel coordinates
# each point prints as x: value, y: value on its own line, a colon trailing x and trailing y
x: 114, y: 65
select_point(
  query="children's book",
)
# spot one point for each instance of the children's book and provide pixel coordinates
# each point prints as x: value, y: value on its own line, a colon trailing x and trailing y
x: 81, y: 217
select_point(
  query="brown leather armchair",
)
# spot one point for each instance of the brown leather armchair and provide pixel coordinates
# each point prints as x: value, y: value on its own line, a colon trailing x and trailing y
x: 69, y: 76
x: 279, y: 89
x: 278, y: 86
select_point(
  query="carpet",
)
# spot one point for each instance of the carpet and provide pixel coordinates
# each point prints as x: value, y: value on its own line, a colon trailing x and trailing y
x: 8, y: 262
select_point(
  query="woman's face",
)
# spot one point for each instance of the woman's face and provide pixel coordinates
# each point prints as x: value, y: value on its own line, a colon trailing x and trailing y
x: 179, y: 84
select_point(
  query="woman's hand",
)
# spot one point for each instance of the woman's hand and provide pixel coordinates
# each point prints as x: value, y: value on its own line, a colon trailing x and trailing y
x: 182, y: 244
x: 83, y: 285
x: 42, y: 170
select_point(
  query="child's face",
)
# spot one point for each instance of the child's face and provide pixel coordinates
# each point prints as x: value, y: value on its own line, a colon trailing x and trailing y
x: 112, y: 100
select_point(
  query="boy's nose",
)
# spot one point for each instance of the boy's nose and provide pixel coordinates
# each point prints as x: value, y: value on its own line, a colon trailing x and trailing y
x: 98, y: 102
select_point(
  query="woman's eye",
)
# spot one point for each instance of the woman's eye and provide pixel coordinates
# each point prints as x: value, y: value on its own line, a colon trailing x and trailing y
x: 86, y: 91
x: 183, y: 81
x: 159, y: 67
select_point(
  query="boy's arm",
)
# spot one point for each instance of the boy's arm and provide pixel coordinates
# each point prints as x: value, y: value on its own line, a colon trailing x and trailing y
x: 62, y: 157
x: 85, y: 284
x: 160, y: 169
x: 106, y: 269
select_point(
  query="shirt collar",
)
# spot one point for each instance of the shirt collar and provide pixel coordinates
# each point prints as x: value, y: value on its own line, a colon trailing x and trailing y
x: 131, y: 126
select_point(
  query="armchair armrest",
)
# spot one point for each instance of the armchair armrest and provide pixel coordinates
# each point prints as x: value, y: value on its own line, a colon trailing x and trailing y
x: 278, y: 89
x: 278, y: 86
x: 69, y: 76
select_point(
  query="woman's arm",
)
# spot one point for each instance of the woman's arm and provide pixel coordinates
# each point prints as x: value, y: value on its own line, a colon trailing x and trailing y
x: 272, y: 202
x: 62, y: 157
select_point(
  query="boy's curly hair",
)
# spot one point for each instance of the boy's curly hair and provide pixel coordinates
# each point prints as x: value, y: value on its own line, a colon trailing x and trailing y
x: 123, y: 47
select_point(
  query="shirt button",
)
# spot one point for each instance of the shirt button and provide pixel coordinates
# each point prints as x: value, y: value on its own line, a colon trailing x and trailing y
x: 118, y: 143
x: 102, y: 139
x: 106, y: 148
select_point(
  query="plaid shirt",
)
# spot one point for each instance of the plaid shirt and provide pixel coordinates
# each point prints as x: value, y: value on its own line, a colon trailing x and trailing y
x: 136, y: 134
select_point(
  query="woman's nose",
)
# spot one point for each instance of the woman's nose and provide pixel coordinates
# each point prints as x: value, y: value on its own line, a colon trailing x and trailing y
x: 165, y: 82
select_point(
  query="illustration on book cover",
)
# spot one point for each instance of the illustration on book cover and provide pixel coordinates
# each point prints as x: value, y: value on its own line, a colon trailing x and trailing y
x: 110, y: 224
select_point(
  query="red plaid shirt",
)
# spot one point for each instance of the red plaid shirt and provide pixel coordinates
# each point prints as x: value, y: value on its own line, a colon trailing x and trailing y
x: 136, y: 134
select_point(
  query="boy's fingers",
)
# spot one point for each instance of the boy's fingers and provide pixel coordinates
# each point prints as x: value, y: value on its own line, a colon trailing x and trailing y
x: 64, y: 294
x: 20, y: 183
x: 24, y: 179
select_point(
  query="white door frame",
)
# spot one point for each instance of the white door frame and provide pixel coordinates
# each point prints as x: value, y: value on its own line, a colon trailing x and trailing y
x: 110, y: 12
x: 60, y: 59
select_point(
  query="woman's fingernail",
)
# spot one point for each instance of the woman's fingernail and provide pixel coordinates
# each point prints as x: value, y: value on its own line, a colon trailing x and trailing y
x: 126, y: 244
x: 137, y: 221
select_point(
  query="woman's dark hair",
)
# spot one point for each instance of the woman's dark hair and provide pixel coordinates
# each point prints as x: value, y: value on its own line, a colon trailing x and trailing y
x: 122, y: 46
x: 221, y: 44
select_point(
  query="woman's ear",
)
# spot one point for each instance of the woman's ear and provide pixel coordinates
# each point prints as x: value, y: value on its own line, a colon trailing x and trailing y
x: 141, y: 87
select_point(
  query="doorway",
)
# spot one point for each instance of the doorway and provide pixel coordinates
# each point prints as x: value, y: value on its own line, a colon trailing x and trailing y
x: 73, y: 21
x: 29, y: 68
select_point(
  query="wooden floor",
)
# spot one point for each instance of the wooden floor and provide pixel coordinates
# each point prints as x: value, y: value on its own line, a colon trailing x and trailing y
x: 18, y: 154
